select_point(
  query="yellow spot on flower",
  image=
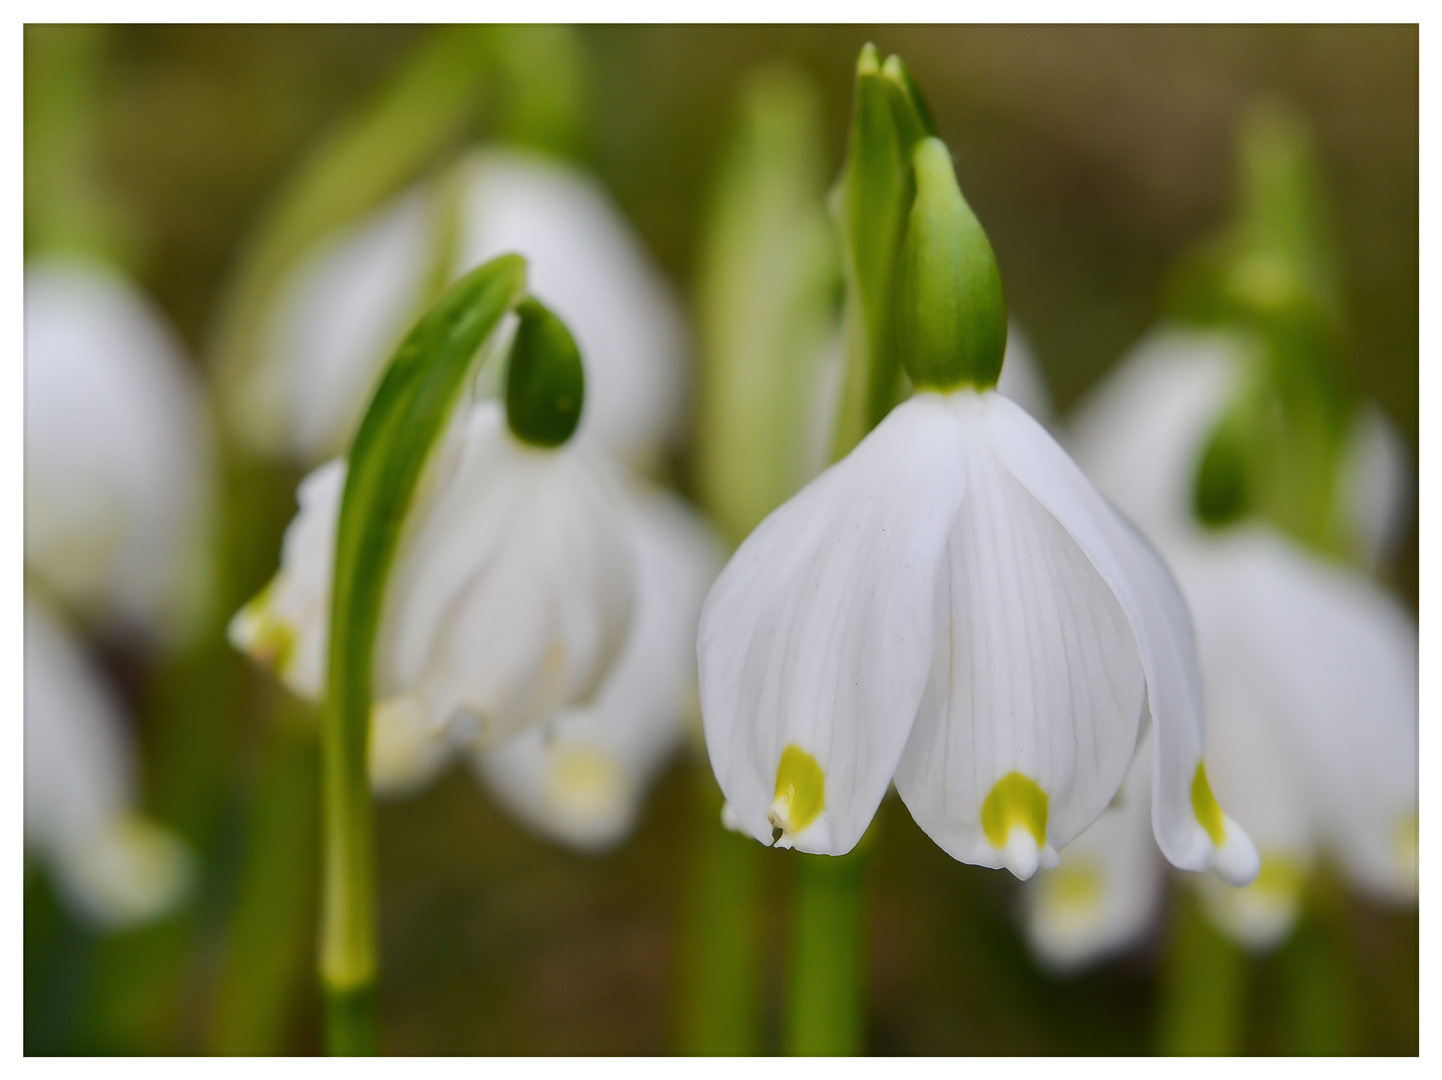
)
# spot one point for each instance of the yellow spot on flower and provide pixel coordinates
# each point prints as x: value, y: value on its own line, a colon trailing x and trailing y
x: 800, y: 791
x: 1071, y: 888
x: 1280, y: 878
x: 1204, y: 806
x: 272, y: 641
x: 1014, y: 800
x: 1407, y: 844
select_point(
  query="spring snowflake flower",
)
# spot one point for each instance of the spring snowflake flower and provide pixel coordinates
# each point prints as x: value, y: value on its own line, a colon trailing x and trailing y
x: 580, y: 777
x: 347, y: 305
x: 1310, y: 674
x: 510, y: 596
x: 953, y: 607
x: 117, y: 466
x: 113, y: 867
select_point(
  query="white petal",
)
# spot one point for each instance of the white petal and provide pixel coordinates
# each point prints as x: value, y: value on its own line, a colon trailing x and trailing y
x: 1105, y: 896
x: 818, y: 633
x: 338, y: 316
x: 1336, y: 660
x: 581, y: 777
x: 586, y: 264
x: 1036, y: 671
x: 287, y: 625
x: 1140, y: 433
x: 1158, y: 616
x: 512, y: 593
x: 117, y: 464
x: 406, y: 748
x: 112, y: 866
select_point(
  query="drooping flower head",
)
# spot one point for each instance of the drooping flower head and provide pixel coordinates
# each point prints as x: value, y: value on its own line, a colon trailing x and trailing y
x: 348, y: 303
x: 117, y: 467
x: 512, y: 588
x: 1309, y: 671
x: 954, y: 608
x: 113, y: 866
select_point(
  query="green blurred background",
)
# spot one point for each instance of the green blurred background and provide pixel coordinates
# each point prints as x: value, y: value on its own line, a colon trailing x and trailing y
x: 1094, y: 157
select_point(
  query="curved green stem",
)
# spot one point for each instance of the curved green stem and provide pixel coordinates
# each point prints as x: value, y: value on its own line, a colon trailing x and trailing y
x: 404, y: 420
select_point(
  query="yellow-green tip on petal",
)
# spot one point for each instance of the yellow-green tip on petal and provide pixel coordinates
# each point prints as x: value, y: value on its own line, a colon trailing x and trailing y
x: 1205, y: 807
x: 1013, y: 819
x: 1014, y: 800
x: 256, y: 630
x: 800, y: 791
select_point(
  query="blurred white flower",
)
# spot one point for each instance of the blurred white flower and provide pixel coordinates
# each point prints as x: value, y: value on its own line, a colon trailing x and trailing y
x: 581, y: 776
x: 118, y: 469
x: 348, y: 304
x: 112, y: 866
x: 509, y: 597
x: 1310, y: 671
x: 954, y: 606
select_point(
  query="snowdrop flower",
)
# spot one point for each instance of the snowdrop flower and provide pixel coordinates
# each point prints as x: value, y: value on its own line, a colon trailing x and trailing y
x: 117, y: 466
x: 348, y: 304
x: 955, y: 608
x: 511, y: 591
x: 580, y: 777
x: 112, y: 866
x: 1310, y: 672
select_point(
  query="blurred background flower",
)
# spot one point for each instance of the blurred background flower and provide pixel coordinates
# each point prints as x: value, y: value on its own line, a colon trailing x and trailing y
x: 225, y: 171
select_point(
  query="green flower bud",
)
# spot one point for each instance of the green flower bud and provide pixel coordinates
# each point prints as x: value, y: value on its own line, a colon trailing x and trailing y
x: 546, y: 382
x: 951, y: 312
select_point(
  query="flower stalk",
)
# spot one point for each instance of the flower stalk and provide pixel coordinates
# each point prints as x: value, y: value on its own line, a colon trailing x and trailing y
x: 404, y: 420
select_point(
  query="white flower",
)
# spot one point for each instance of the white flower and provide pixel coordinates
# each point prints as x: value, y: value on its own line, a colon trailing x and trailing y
x: 117, y: 466
x: 112, y: 866
x: 1310, y: 671
x: 349, y: 302
x: 509, y: 596
x: 581, y: 776
x: 955, y: 607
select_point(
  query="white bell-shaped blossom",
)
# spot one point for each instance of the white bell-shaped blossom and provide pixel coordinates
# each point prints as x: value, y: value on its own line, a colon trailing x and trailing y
x: 1309, y: 670
x: 581, y: 776
x: 112, y: 866
x: 347, y: 305
x: 509, y: 597
x: 953, y: 606
x: 117, y: 463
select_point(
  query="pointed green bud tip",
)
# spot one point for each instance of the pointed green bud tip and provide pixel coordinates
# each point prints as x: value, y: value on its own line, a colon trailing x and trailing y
x: 546, y: 382
x: 913, y: 114
x: 869, y: 62
x: 951, y: 312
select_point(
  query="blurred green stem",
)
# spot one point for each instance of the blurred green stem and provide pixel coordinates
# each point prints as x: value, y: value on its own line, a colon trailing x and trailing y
x: 267, y: 955
x: 720, y: 1009
x: 826, y: 987
x: 1203, y: 990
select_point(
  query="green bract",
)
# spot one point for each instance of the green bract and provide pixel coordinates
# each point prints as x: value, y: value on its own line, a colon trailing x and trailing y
x: 869, y: 205
x: 951, y: 313
x: 545, y: 384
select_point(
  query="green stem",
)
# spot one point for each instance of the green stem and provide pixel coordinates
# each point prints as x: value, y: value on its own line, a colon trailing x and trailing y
x: 1204, y: 986
x: 720, y: 1003
x: 404, y: 420
x: 826, y: 990
x: 350, y: 1021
